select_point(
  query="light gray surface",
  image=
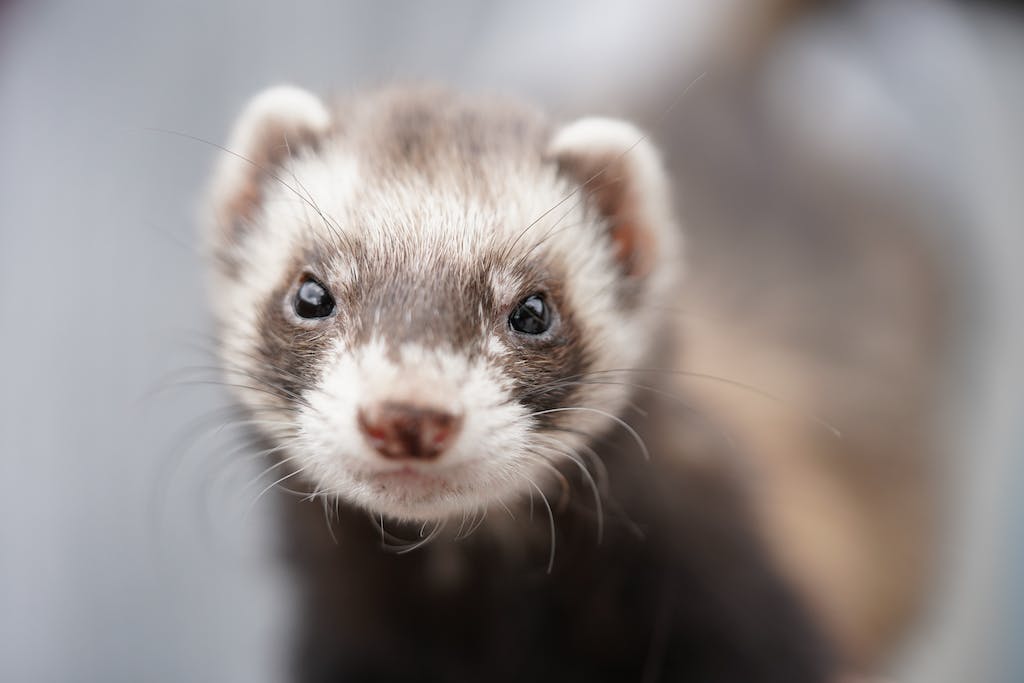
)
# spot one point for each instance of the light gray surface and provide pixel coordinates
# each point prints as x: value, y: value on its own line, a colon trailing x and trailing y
x: 101, y: 297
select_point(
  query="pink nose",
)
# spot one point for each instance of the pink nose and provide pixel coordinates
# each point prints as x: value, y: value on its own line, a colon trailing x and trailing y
x: 400, y: 431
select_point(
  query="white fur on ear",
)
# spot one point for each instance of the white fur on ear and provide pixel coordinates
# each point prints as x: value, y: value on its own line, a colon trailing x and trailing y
x: 618, y: 166
x: 274, y: 124
x: 275, y: 112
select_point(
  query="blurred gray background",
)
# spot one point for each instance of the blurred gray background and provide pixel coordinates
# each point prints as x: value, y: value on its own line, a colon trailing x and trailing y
x: 128, y: 547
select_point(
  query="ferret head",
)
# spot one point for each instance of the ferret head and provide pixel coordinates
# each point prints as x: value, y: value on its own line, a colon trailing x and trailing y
x: 415, y: 290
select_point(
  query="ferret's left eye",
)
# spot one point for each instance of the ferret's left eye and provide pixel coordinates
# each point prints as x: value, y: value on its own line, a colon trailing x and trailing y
x: 313, y: 300
x: 532, y: 316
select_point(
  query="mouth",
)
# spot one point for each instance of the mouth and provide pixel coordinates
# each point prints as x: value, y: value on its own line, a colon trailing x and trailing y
x: 408, y: 476
x: 414, y: 492
x: 410, y: 485
x: 423, y: 492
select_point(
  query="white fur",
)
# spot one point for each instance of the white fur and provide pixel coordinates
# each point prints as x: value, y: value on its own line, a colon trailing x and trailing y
x: 481, y: 465
x: 285, y: 105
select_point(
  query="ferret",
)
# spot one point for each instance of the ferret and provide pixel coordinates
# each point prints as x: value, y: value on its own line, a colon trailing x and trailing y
x: 448, y: 318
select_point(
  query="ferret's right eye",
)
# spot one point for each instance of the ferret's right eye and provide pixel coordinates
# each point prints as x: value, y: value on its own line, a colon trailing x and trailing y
x: 532, y: 316
x: 313, y: 300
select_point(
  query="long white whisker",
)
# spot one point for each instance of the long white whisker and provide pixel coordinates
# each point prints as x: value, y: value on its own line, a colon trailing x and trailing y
x: 551, y: 525
x: 433, y: 534
x: 483, y: 517
x: 327, y: 517
x: 272, y: 467
x: 507, y: 509
x: 636, y: 436
x: 462, y: 525
x: 583, y: 378
x: 270, y: 486
x: 598, y: 508
x: 718, y: 429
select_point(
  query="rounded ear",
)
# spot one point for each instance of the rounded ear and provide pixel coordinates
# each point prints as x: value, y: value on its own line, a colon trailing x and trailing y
x: 622, y: 173
x: 276, y: 124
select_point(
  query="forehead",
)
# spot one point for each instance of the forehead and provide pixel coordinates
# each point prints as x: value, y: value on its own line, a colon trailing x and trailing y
x: 428, y: 132
x: 420, y: 181
x: 429, y: 171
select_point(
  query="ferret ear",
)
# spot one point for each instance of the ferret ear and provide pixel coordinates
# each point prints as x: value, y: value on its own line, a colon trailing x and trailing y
x: 276, y: 124
x: 623, y: 175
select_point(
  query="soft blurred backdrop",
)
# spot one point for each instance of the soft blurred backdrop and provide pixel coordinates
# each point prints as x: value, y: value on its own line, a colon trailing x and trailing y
x: 129, y: 547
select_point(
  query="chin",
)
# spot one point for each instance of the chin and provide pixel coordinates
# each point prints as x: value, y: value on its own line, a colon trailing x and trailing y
x: 414, y: 493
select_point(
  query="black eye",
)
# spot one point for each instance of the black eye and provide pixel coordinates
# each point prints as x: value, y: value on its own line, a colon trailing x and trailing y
x: 531, y: 316
x: 313, y: 300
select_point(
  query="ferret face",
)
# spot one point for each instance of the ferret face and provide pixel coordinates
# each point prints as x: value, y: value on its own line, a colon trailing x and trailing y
x: 428, y: 300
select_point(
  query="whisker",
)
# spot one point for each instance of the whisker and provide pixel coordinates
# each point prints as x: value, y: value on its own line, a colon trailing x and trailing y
x: 272, y: 467
x: 587, y: 193
x: 332, y: 225
x: 235, y: 385
x: 262, y: 169
x: 327, y: 518
x: 636, y: 436
x: 181, y: 446
x: 483, y: 516
x: 270, y: 486
x: 458, y: 533
x: 725, y: 434
x: 563, y: 500
x: 551, y: 525
x: 598, y: 509
x: 506, y: 508
x: 757, y: 391
x: 438, y: 526
x: 603, y: 479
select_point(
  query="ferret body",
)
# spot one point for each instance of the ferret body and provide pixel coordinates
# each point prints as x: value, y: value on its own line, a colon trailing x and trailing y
x: 441, y: 309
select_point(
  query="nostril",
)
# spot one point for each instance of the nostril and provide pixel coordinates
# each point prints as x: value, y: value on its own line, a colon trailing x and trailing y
x: 374, y: 432
x: 405, y: 431
x: 437, y: 430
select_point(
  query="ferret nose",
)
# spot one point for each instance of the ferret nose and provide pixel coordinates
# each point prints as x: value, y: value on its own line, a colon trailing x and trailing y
x: 400, y: 431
